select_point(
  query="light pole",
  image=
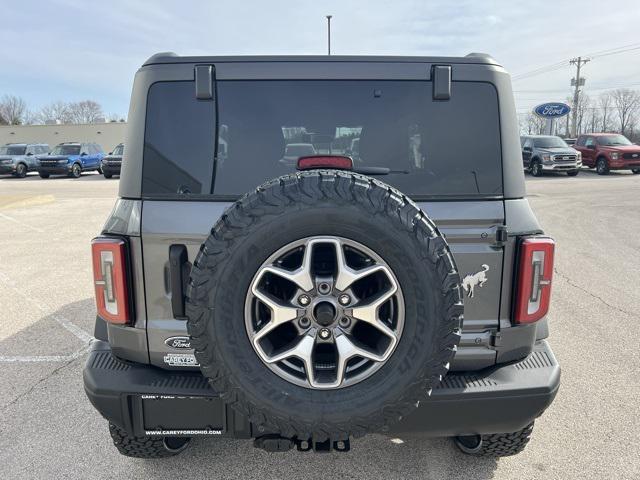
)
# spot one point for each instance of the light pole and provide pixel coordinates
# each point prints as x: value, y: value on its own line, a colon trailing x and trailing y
x: 329, y: 34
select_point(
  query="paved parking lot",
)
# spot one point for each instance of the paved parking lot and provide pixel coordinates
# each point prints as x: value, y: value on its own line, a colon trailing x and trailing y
x: 49, y: 430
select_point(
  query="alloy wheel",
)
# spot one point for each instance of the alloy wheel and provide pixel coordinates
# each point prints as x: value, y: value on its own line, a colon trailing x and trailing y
x: 324, y: 312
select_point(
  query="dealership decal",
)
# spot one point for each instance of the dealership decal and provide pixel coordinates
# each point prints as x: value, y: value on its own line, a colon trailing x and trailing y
x: 181, y: 360
x: 183, y: 432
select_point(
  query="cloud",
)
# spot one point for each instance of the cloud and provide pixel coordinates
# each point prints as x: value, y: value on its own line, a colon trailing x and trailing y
x: 74, y: 49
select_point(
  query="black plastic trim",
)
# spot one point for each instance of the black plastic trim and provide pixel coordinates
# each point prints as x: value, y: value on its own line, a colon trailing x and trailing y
x: 499, y: 399
x: 179, y: 274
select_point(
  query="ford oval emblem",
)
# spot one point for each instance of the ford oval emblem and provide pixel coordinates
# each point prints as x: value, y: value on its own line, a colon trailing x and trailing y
x: 552, y: 110
x: 178, y: 342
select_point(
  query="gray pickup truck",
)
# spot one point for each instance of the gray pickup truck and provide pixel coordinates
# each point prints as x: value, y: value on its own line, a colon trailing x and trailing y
x: 547, y: 154
x: 304, y: 304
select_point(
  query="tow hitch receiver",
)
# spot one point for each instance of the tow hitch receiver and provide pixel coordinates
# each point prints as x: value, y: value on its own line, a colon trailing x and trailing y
x: 275, y: 443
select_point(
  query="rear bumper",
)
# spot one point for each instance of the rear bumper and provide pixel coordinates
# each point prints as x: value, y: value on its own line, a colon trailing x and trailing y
x: 147, y: 400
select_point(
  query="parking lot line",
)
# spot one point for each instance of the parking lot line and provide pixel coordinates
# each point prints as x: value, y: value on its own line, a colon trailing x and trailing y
x: 44, y: 358
x: 80, y: 334
x: 30, y: 227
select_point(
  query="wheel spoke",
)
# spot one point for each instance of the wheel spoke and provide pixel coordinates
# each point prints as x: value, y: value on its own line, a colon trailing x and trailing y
x: 346, y: 351
x: 345, y: 275
x: 301, y: 276
x: 280, y: 313
x: 303, y: 350
x: 369, y: 312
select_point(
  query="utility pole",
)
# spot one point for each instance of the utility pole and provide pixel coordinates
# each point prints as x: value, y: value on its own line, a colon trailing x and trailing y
x: 329, y: 34
x: 576, y: 82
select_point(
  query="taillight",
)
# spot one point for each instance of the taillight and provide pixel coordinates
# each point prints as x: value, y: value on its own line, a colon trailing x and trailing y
x: 535, y: 272
x: 325, y: 161
x: 110, y: 279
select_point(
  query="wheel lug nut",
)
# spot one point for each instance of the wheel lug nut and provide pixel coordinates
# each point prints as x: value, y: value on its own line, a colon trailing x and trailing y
x: 324, y: 333
x: 304, y: 322
x: 304, y: 300
x: 344, y: 322
x: 344, y: 299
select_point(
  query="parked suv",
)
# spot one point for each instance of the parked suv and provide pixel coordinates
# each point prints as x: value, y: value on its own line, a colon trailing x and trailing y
x: 20, y: 158
x: 608, y: 151
x: 112, y: 162
x: 548, y: 153
x: 71, y: 158
x: 303, y: 305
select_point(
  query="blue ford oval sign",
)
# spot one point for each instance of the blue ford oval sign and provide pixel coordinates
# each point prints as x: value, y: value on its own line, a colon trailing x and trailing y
x: 552, y: 110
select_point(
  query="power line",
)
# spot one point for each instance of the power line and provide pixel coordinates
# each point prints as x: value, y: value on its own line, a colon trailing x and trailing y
x: 613, y: 51
x: 563, y: 63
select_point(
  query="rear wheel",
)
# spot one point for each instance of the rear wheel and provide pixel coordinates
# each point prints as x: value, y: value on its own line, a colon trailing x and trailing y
x: 602, y: 167
x: 107, y: 175
x: 76, y: 171
x: 536, y: 168
x: 147, y: 446
x: 635, y: 171
x: 21, y: 170
x: 43, y: 175
x: 573, y: 173
x: 495, y: 445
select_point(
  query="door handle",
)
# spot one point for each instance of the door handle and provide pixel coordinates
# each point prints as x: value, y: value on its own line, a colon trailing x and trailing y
x: 179, y: 269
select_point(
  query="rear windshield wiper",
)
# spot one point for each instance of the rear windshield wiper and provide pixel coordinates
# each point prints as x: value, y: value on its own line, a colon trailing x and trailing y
x: 378, y: 171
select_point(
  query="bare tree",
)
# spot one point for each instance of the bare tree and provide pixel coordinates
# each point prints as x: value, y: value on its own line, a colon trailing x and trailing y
x: 534, y: 125
x: 582, y: 108
x: 594, y: 118
x: 57, y: 112
x: 85, y: 111
x: 606, y: 105
x: 12, y: 109
x: 627, y: 104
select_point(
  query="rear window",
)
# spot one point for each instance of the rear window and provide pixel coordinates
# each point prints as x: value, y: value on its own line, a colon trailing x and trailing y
x: 432, y: 148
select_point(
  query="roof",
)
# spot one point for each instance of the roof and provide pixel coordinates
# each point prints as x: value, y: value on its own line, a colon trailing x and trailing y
x: 170, y: 57
x: 600, y: 134
x: 539, y: 136
x: 25, y: 144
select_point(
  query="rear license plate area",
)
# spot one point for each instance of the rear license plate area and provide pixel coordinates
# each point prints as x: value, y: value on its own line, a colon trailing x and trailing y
x: 187, y: 416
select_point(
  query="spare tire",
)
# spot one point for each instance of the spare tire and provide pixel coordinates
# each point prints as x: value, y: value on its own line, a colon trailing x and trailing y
x: 323, y: 305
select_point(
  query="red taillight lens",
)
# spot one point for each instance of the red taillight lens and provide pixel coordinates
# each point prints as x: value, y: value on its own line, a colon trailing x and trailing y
x: 110, y: 279
x: 535, y: 272
x: 325, y: 161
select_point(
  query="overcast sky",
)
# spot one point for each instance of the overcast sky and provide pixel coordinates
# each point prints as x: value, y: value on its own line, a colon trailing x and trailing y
x: 77, y: 49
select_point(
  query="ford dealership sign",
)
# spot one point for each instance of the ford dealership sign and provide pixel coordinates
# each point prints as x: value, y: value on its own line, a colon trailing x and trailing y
x: 552, y: 110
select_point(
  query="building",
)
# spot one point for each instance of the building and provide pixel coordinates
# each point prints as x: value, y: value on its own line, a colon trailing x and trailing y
x: 108, y: 135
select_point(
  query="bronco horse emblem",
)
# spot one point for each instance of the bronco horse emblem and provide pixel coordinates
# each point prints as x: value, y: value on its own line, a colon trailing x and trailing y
x: 470, y: 282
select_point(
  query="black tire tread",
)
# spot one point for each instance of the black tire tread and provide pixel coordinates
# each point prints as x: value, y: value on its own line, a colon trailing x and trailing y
x: 273, y: 199
x: 504, y: 444
x: 139, y: 447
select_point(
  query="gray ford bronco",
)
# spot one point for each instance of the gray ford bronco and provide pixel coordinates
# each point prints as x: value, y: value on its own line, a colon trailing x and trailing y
x: 401, y: 289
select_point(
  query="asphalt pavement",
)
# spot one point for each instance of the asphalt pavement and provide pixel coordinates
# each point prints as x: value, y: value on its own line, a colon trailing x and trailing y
x: 48, y: 429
